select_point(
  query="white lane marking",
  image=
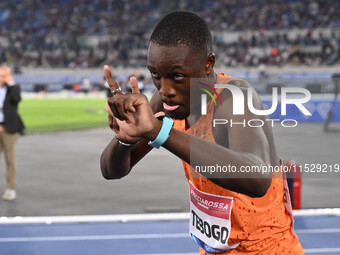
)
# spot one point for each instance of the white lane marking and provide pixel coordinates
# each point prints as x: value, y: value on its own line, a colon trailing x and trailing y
x: 322, y: 250
x: 317, y: 231
x: 141, y: 217
x: 94, y: 218
x: 93, y: 237
x: 166, y: 253
x: 136, y: 236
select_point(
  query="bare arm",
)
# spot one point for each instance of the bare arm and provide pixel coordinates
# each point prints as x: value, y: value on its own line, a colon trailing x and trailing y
x: 117, y: 160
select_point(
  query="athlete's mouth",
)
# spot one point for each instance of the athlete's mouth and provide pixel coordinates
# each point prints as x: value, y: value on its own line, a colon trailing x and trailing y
x: 170, y: 107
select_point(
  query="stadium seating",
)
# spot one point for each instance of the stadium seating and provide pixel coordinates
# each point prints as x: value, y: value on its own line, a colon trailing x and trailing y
x: 88, y: 33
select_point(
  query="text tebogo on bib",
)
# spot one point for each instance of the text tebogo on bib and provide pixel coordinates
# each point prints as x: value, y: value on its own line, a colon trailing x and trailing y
x: 210, y: 220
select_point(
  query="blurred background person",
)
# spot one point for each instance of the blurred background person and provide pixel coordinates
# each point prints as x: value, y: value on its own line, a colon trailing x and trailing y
x: 141, y: 79
x: 86, y: 85
x: 336, y: 88
x: 10, y: 126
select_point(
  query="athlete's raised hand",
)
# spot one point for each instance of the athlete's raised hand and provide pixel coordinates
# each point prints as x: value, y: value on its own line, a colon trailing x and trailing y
x: 130, y: 115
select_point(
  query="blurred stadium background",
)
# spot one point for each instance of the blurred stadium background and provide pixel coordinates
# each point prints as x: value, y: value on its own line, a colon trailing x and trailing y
x: 57, y: 49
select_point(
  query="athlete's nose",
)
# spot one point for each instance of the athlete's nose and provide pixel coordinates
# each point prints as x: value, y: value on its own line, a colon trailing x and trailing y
x: 167, y: 89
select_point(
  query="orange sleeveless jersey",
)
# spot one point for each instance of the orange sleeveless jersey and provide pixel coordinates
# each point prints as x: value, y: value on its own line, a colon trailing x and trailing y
x: 260, y: 225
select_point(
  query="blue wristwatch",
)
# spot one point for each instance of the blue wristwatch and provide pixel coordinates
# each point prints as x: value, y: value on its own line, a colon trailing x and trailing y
x: 163, y: 134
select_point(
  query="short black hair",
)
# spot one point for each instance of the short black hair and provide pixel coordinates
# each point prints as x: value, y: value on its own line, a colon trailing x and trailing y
x: 183, y: 27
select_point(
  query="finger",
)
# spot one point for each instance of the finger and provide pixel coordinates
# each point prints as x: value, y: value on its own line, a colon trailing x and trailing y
x: 159, y: 114
x: 128, y: 104
x: 113, y: 124
x: 134, y: 85
x: 110, y: 119
x: 138, y: 100
x: 122, y: 112
x: 108, y: 109
x: 110, y: 81
x: 113, y: 108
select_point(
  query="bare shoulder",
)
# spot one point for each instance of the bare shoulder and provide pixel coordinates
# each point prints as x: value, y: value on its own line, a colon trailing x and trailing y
x: 247, y: 90
x: 240, y: 83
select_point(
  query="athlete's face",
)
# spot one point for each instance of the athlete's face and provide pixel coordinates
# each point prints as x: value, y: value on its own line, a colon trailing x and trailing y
x: 171, y: 68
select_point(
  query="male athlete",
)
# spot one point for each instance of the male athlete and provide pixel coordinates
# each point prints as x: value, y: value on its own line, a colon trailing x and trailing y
x: 230, y: 212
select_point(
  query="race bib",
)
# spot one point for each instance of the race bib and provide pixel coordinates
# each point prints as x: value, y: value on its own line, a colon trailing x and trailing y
x: 210, y: 220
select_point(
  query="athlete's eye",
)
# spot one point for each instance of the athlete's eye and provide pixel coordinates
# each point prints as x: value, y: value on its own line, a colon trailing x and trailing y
x: 154, y: 75
x: 178, y: 76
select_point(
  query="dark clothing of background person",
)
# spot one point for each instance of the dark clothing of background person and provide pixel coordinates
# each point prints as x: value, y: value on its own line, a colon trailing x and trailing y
x: 13, y: 122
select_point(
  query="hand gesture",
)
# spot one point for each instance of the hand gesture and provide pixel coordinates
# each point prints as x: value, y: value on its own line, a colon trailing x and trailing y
x: 130, y: 115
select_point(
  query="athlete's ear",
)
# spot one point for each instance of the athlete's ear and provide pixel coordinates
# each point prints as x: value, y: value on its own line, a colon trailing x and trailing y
x: 210, y: 63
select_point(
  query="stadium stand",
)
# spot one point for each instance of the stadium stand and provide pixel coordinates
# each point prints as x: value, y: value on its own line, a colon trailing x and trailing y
x: 70, y: 33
